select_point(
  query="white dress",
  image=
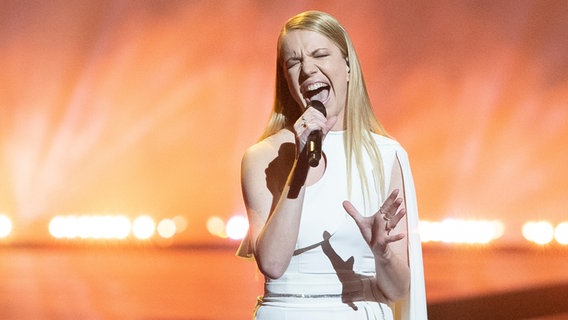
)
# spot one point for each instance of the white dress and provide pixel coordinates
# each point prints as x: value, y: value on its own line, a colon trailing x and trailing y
x: 332, y: 271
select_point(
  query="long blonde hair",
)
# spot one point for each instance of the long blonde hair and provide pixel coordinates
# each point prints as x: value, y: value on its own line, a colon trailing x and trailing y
x: 359, y: 121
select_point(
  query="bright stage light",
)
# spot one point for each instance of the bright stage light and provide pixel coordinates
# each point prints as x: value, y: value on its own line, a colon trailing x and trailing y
x: 56, y: 227
x: 539, y: 232
x: 561, y: 233
x: 166, y: 228
x: 120, y: 227
x: 237, y: 227
x: 461, y: 231
x: 143, y: 227
x: 181, y: 223
x: 216, y: 227
x: 89, y: 227
x: 5, y: 226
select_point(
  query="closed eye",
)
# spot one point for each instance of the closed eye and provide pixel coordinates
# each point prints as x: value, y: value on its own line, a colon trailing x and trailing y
x: 290, y: 63
x: 320, y: 53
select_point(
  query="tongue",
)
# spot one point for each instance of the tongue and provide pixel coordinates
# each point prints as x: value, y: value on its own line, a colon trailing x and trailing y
x: 320, y: 95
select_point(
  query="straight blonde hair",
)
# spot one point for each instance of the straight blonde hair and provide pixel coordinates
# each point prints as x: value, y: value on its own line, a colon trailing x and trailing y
x: 359, y: 122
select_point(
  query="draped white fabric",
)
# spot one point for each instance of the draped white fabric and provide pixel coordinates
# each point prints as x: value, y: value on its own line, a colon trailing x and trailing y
x: 332, y: 258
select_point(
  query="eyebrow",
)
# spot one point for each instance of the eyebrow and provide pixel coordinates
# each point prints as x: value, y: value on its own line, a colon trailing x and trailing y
x: 294, y: 55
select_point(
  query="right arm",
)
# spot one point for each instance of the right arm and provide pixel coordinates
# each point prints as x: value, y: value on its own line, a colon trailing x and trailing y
x: 274, y: 227
x: 273, y: 231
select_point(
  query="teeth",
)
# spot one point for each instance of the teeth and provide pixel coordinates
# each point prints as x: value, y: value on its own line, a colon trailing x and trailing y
x: 315, y: 86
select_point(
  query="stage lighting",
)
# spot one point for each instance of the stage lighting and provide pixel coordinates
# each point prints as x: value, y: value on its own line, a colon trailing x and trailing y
x: 143, y: 227
x: 5, y: 226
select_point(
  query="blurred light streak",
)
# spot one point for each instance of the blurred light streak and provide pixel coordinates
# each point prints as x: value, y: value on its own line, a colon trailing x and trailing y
x: 90, y: 227
x: 539, y: 232
x: 143, y: 227
x: 561, y: 233
x: 237, y: 227
x: 5, y: 225
x: 458, y: 231
x: 166, y: 228
x: 180, y: 223
x: 216, y: 227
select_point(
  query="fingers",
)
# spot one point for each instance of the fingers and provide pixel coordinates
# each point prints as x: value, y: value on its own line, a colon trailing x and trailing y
x: 373, y: 228
x: 365, y: 225
x: 397, y: 217
x: 389, y: 211
x: 310, y: 121
x: 394, y: 238
x: 391, y: 223
x: 391, y: 205
x: 348, y: 206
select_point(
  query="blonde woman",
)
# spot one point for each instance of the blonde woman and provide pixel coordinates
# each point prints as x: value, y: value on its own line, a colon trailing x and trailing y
x: 337, y: 240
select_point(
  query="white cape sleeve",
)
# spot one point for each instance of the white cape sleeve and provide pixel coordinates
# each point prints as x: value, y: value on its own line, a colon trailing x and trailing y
x: 245, y: 248
x: 413, y: 307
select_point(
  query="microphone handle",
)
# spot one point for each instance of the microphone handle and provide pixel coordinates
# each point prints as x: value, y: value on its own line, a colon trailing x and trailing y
x: 314, y: 148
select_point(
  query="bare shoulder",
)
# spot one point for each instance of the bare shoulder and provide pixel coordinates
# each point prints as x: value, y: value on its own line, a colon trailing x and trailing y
x: 266, y: 150
x: 264, y: 169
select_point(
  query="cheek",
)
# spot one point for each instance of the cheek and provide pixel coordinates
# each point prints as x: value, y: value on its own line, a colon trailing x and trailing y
x: 293, y: 86
x: 342, y: 83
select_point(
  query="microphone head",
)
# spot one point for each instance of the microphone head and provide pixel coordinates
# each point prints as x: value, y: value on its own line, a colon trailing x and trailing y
x: 318, y: 105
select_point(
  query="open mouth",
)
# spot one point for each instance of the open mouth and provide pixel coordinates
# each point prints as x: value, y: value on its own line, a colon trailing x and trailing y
x: 316, y: 91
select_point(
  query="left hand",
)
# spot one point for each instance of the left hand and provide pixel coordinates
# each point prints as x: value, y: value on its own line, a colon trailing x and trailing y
x: 377, y: 227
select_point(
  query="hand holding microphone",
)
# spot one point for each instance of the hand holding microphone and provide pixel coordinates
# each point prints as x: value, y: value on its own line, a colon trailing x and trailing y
x: 310, y: 129
x: 313, y: 144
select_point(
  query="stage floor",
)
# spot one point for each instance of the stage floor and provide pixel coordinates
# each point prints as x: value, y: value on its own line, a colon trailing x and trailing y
x: 212, y: 284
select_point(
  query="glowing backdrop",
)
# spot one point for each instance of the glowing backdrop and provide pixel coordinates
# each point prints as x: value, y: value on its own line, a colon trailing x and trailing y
x: 147, y: 106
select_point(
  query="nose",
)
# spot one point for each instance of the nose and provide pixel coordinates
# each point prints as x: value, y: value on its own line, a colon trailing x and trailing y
x: 308, y: 67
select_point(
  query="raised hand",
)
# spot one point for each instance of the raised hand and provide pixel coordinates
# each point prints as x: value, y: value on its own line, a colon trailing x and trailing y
x: 377, y: 227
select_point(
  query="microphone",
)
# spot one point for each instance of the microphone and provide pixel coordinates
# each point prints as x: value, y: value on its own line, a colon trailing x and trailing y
x: 313, y: 143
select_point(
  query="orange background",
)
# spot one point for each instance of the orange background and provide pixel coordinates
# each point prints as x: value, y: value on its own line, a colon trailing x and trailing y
x: 147, y: 106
